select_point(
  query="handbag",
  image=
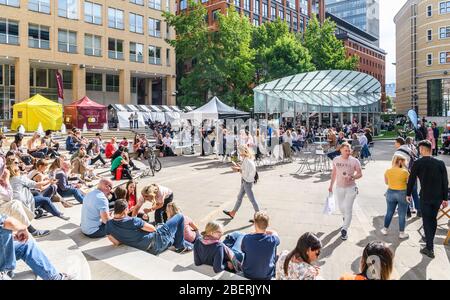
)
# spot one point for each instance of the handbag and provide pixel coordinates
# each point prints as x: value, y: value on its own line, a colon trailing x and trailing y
x: 330, y: 204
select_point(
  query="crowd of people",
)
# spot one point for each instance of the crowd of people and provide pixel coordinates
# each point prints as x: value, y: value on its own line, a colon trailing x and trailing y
x: 30, y: 184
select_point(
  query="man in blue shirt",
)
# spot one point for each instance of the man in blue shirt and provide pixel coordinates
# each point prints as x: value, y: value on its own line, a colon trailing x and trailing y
x: 260, y: 249
x: 15, y: 244
x: 136, y: 233
x: 94, y: 213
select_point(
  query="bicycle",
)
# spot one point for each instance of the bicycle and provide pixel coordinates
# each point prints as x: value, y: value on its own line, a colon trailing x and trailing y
x: 154, y: 164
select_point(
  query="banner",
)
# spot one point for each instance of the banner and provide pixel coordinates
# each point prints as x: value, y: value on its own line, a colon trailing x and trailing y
x: 413, y: 117
x: 59, y: 82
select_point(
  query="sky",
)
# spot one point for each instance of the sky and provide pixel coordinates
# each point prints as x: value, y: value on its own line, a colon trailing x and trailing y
x: 388, y: 9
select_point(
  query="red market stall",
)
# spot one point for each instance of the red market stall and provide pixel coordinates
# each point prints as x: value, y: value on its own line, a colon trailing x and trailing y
x: 85, y: 111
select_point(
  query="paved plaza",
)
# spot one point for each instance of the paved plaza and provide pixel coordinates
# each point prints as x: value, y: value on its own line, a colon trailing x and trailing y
x: 204, y: 186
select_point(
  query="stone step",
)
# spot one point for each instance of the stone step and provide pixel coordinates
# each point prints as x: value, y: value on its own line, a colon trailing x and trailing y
x: 63, y: 254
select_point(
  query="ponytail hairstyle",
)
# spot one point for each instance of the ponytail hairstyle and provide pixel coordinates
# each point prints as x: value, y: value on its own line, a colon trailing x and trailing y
x: 305, y: 242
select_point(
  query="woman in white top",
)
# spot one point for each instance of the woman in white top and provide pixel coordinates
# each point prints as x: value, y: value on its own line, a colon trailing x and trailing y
x: 248, y: 174
x: 297, y: 264
x: 159, y: 196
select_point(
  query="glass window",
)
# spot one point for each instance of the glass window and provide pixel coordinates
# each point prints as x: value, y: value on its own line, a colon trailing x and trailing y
x: 67, y: 79
x: 183, y: 4
x: 115, y: 18
x: 281, y: 13
x: 155, y: 4
x: 9, y: 32
x: 273, y: 12
x: 168, y: 57
x: 115, y: 48
x: 68, y: 9
x: 93, y: 13
x: 94, y: 81
x: 42, y: 6
x: 14, y: 3
x: 92, y: 45
x: 429, y: 10
x: 136, y: 52
x: 237, y: 3
x: 154, y: 55
x: 256, y: 7
x: 38, y: 36
x: 215, y: 14
x: 154, y: 27
x: 67, y: 41
x: 138, y: 2
x: 247, y: 5
x: 1, y: 75
x: 167, y: 5
x: 265, y: 10
x: 112, y: 83
x: 444, y: 32
x: 444, y: 7
x: 41, y: 77
x: 444, y: 57
x: 429, y: 59
x: 429, y: 35
x: 136, y: 23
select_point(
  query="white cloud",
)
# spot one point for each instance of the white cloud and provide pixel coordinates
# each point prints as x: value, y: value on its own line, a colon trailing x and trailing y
x: 388, y: 9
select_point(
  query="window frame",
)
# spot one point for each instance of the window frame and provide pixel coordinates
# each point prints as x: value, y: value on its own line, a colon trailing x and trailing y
x: 39, y: 6
x: 67, y: 42
x: 116, y: 56
x: 136, y: 55
x: 154, y: 60
x: 92, y: 47
x: 92, y: 14
x: 67, y: 11
x: 39, y: 39
x: 152, y: 29
x: 447, y: 57
x: 115, y: 17
x: 135, y: 16
x: 8, y: 35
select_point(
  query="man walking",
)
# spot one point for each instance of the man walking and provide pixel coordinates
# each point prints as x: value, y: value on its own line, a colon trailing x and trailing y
x: 432, y: 174
x: 346, y: 170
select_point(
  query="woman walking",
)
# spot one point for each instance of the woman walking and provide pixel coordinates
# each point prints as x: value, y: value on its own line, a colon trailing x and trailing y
x: 397, y: 179
x: 248, y: 174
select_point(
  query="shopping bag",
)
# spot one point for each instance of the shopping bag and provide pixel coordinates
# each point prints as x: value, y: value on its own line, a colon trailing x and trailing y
x: 330, y: 205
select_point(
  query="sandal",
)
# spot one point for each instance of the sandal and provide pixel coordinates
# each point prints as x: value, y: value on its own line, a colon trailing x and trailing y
x: 228, y: 214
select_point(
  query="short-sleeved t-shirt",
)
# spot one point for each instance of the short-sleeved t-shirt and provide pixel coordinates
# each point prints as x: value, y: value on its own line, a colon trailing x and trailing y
x: 397, y: 178
x: 259, y: 255
x: 345, y: 168
x: 129, y: 231
x: 94, y: 203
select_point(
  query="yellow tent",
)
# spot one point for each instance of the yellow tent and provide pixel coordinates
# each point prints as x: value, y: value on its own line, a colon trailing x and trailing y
x: 35, y: 110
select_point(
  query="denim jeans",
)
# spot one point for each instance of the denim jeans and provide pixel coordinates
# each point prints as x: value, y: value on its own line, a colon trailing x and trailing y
x: 416, y: 199
x: 237, y: 237
x: 46, y: 204
x: 29, y: 252
x: 74, y: 192
x: 394, y: 198
x: 101, y: 232
x: 98, y: 158
x: 170, y: 233
x: 246, y: 188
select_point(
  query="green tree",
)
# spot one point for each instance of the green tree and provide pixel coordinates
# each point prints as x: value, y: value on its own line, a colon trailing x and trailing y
x: 328, y: 53
x: 193, y: 48
x: 287, y: 57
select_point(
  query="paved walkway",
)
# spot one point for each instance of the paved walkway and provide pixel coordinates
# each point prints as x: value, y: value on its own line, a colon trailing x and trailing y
x: 203, y: 187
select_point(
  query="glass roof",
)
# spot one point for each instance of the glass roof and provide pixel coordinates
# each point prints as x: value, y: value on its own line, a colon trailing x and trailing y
x: 336, y: 88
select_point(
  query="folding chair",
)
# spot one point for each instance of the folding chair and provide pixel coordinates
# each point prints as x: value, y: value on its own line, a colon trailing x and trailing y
x: 445, y: 212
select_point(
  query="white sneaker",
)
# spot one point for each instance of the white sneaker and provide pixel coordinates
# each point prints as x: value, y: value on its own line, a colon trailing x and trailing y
x: 4, y: 275
x: 384, y: 231
x: 403, y: 235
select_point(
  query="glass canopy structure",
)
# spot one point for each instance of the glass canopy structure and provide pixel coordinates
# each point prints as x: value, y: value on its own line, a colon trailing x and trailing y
x: 330, y: 92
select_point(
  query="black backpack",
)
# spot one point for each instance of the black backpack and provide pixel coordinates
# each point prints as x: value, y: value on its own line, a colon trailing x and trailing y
x: 412, y: 159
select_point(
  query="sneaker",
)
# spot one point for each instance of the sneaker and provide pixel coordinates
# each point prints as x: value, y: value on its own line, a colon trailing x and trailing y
x: 344, y: 235
x: 65, y: 276
x: 403, y: 236
x: 384, y: 231
x: 185, y: 249
x: 136, y: 169
x: 40, y: 233
x: 4, y: 276
x: 65, y: 218
x: 429, y: 253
